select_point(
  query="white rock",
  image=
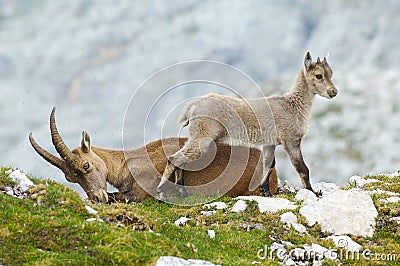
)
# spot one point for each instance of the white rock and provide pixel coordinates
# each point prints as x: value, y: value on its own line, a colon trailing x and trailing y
x: 91, y: 220
x: 299, y: 228
x: 175, y: 261
x: 275, y: 246
x: 391, y: 200
x: 380, y: 191
x: 397, y: 219
x: 211, y: 233
x: 290, y: 262
x: 306, y: 196
x: 288, y: 187
x: 325, y: 187
x: 345, y: 242
x: 319, y: 252
x: 393, y: 175
x: 343, y: 212
x: 208, y: 213
x: 217, y: 205
x: 291, y: 220
x: 288, y: 218
x: 360, y: 182
x: 317, y: 263
x: 181, y: 221
x: 298, y: 253
x: 279, y: 250
x: 240, y: 206
x: 287, y: 243
x: 91, y: 210
x: 270, y: 204
x: 22, y: 181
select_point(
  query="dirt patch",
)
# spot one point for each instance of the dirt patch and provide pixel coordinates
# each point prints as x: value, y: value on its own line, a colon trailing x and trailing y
x: 124, y: 219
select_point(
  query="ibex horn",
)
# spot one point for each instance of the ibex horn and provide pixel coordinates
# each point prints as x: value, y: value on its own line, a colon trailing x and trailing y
x: 57, y: 162
x: 58, y: 143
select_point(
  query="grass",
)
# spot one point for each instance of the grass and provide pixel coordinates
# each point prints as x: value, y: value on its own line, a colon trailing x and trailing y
x: 52, y: 230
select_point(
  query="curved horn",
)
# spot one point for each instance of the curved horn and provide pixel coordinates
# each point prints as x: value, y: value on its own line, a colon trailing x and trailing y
x: 57, y: 162
x: 58, y: 143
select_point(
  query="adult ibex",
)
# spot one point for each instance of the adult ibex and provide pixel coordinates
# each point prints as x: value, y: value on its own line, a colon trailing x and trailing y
x: 136, y: 173
x: 266, y: 122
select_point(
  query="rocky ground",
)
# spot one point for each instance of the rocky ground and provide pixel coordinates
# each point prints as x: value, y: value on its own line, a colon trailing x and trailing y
x: 359, y: 222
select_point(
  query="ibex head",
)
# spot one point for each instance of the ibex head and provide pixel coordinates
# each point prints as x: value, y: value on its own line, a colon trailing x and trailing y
x: 318, y: 75
x: 80, y: 166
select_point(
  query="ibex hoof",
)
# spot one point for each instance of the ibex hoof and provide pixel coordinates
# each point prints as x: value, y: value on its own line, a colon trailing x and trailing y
x: 318, y: 193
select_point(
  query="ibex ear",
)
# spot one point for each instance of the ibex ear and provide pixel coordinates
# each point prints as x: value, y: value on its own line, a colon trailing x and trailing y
x: 85, y: 144
x: 318, y: 60
x: 326, y: 57
x: 307, y: 60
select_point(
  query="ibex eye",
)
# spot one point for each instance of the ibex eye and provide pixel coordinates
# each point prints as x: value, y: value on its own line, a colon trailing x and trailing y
x: 318, y: 76
x: 86, y: 166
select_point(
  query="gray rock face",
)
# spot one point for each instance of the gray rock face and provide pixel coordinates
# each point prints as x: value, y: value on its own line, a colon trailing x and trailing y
x: 343, y: 212
x: 41, y: 65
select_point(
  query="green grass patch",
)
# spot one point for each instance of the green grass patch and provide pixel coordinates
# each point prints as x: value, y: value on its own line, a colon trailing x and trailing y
x: 54, y: 230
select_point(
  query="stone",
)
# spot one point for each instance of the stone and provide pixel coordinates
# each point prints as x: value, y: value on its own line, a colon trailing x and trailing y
x: 181, y: 221
x: 211, y: 233
x: 325, y: 187
x: 216, y: 205
x: 22, y: 181
x: 271, y: 205
x: 291, y: 220
x: 208, y: 213
x: 391, y: 200
x: 93, y: 220
x: 288, y: 218
x: 279, y: 250
x: 287, y: 187
x: 394, y: 174
x: 345, y: 242
x: 306, y: 196
x: 175, y: 261
x: 240, y: 206
x: 397, y: 219
x: 343, y: 212
x: 290, y: 262
x: 299, y: 228
x: 91, y: 210
x: 380, y: 191
x: 361, y: 182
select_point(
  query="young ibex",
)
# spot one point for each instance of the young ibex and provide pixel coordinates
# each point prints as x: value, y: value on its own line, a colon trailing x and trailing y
x: 136, y: 173
x: 266, y: 122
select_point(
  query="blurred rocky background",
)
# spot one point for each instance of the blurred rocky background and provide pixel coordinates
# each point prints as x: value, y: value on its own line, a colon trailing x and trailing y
x: 88, y: 58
